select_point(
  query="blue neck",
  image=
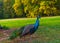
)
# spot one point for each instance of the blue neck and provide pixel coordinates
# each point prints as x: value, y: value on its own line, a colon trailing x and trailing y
x: 37, y: 23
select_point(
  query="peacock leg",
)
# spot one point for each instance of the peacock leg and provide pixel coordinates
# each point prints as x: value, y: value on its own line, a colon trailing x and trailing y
x: 24, y: 38
x: 30, y: 39
x: 34, y: 36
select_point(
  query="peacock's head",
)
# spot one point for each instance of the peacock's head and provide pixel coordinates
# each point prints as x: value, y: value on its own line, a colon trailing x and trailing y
x: 38, y: 17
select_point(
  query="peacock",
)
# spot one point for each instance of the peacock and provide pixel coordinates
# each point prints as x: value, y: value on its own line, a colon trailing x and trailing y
x: 25, y: 30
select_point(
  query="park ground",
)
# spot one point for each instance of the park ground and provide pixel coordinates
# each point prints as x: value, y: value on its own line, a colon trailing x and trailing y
x: 48, y: 31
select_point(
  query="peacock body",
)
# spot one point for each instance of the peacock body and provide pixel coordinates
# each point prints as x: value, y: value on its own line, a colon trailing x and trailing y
x: 25, y: 30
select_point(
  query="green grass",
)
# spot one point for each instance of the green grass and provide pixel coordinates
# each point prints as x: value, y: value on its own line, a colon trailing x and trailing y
x: 48, y: 31
x: 51, y: 22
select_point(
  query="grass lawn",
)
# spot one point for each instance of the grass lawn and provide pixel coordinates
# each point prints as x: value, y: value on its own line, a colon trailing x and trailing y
x: 48, y: 31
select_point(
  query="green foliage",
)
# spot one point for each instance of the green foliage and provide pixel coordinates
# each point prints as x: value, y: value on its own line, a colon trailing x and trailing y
x: 7, y: 9
x: 5, y: 27
x: 1, y: 9
x: 48, y: 8
x: 18, y: 7
x: 29, y: 8
x: 34, y: 7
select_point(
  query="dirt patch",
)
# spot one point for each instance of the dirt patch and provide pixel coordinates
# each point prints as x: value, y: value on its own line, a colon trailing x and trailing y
x: 4, y: 34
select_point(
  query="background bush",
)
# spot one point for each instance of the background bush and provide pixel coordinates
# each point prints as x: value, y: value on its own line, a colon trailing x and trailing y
x: 29, y: 8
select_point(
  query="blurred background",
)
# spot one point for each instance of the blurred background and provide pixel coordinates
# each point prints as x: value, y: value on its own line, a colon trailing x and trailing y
x: 28, y: 8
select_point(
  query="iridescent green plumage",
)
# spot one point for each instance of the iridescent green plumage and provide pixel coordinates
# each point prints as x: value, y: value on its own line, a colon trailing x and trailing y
x: 16, y: 33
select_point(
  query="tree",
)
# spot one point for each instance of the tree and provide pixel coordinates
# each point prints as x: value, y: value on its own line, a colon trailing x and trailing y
x: 19, y: 8
x: 48, y: 8
x: 30, y: 8
x: 1, y: 9
x: 7, y: 8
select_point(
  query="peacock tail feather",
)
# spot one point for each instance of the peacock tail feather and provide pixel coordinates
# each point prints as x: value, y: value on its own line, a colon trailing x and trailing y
x: 16, y: 33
